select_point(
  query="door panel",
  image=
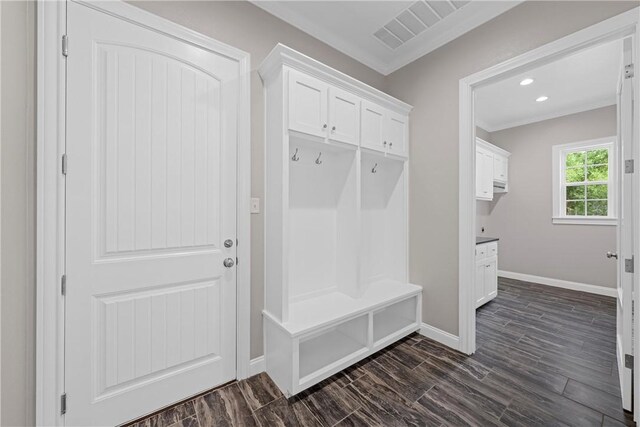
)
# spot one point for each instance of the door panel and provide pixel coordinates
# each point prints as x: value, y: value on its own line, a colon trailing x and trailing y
x: 307, y: 104
x: 480, y: 277
x: 344, y: 116
x: 151, y: 195
x: 372, y: 131
x: 625, y: 231
x: 491, y: 278
x: 396, y: 133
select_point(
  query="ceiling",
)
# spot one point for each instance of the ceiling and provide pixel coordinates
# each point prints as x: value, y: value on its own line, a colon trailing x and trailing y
x: 386, y: 35
x: 580, y: 82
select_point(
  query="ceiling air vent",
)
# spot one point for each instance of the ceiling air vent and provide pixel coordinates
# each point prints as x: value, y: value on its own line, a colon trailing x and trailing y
x: 415, y: 19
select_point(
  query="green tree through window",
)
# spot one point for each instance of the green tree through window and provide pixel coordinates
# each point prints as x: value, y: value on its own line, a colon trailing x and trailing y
x: 587, y: 182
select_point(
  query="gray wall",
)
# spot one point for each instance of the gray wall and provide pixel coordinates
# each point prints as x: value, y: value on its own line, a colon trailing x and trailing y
x: 529, y: 242
x: 17, y: 213
x: 430, y: 84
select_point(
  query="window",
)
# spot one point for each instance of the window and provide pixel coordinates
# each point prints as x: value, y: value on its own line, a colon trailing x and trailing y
x: 584, y: 182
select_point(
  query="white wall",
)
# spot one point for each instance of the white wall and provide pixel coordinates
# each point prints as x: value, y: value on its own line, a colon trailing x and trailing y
x: 529, y: 242
x: 430, y: 84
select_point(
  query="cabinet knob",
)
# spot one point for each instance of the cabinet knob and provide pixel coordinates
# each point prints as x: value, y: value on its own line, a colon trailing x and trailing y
x: 384, y: 143
x: 390, y: 144
x: 324, y: 126
x: 333, y: 129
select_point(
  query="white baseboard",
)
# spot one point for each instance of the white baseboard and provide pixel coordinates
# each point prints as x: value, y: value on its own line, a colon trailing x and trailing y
x: 441, y: 336
x: 256, y: 366
x: 565, y: 284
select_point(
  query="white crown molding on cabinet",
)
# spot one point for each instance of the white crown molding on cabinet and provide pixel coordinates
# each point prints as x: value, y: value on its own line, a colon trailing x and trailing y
x: 453, y: 26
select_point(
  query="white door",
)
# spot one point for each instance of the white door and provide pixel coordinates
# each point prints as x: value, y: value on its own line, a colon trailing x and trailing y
x: 344, y: 116
x: 625, y: 231
x: 396, y: 133
x: 307, y: 104
x: 372, y: 131
x: 151, y: 196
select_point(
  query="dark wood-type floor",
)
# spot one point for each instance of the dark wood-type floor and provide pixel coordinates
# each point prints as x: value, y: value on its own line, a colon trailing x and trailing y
x: 546, y: 356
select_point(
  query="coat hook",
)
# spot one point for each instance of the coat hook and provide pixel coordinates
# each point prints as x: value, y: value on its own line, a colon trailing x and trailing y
x: 318, y: 161
x: 295, y: 157
x: 373, y: 170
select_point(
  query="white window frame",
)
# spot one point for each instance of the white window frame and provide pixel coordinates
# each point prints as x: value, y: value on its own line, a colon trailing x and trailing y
x: 559, y: 153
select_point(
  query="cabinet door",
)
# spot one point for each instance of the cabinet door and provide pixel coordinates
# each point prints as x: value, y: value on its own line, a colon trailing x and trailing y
x: 344, y: 116
x: 487, y: 175
x: 396, y: 133
x: 480, y: 174
x: 491, y: 278
x: 499, y: 168
x: 480, y: 277
x: 372, y: 126
x: 307, y: 104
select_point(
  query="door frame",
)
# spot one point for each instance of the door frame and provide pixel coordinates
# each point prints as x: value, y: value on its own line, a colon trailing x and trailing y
x: 51, y: 137
x: 617, y: 27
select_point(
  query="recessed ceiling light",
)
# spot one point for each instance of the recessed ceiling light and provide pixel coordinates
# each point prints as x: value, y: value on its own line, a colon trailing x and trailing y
x: 542, y: 99
x: 526, y: 82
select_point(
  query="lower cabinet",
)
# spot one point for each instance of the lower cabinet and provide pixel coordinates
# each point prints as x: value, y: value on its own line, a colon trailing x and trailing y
x: 486, y: 272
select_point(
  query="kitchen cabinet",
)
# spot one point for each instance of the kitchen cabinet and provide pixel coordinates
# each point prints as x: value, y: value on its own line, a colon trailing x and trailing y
x: 384, y: 130
x: 307, y: 104
x: 486, y: 276
x: 344, y: 116
x: 492, y: 170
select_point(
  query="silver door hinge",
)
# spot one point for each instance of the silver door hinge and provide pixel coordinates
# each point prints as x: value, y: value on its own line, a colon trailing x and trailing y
x: 65, y: 46
x: 628, y: 71
x: 629, y: 166
x: 628, y: 361
x: 64, y: 164
x: 63, y: 284
x: 63, y: 403
x: 628, y: 265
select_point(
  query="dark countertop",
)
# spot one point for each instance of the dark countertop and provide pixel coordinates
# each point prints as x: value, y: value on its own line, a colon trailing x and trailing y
x: 481, y: 240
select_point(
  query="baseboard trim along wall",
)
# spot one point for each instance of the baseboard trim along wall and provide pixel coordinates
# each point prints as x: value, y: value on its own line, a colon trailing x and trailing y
x: 256, y: 366
x: 574, y: 286
x: 441, y: 336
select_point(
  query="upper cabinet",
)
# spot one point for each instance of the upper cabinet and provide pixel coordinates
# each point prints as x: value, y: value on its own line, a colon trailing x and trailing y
x: 344, y: 116
x: 384, y: 130
x: 492, y: 170
x: 338, y: 114
x: 307, y: 104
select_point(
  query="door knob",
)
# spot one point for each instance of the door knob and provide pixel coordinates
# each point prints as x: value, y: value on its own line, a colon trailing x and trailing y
x: 228, y: 262
x: 612, y: 255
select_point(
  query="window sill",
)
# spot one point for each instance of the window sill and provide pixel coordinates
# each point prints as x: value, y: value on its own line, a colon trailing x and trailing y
x: 585, y: 220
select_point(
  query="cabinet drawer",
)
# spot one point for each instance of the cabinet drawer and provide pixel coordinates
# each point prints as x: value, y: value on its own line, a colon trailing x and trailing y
x: 481, y: 251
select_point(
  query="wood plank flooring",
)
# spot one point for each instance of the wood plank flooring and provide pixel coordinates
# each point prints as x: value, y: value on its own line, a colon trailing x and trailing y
x: 546, y: 356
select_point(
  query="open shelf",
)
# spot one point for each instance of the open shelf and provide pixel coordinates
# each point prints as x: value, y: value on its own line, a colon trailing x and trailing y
x: 322, y: 220
x: 390, y: 320
x: 383, y: 219
x: 324, y: 351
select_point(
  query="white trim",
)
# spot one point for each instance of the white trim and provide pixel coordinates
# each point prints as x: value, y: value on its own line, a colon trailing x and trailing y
x: 584, y: 107
x: 50, y: 263
x: 617, y: 27
x: 558, y: 170
x: 257, y: 366
x: 557, y: 283
x: 441, y: 336
x: 415, y: 48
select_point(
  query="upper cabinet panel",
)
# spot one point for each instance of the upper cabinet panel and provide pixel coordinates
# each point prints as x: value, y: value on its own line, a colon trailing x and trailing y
x: 372, y: 130
x: 396, y: 133
x: 307, y: 104
x: 344, y: 116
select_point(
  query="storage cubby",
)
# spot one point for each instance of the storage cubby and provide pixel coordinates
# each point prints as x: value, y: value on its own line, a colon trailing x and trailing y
x: 383, y: 219
x: 393, y: 319
x: 329, y: 348
x: 336, y: 287
x: 322, y: 219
